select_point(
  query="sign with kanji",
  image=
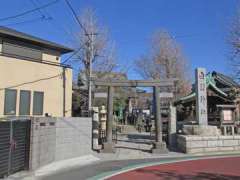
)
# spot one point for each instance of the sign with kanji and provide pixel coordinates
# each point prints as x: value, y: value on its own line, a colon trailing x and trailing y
x: 201, y: 96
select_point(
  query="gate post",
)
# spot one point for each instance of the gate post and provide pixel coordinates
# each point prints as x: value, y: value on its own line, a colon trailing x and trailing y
x: 159, y: 146
x: 108, y: 146
x: 172, y: 129
x: 95, y: 129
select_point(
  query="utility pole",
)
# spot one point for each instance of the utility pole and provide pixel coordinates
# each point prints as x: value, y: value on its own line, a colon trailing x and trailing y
x: 91, y: 58
x: 91, y: 49
x: 90, y: 73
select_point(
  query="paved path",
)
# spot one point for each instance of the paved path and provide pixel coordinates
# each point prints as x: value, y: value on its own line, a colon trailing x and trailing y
x: 131, y: 146
x: 134, y: 145
x: 205, y: 169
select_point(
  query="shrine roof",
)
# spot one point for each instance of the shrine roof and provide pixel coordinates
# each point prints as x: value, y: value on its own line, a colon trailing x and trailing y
x: 211, y: 82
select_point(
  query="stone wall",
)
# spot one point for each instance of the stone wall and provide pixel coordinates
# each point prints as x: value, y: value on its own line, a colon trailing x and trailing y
x: 54, y: 139
x: 201, y: 144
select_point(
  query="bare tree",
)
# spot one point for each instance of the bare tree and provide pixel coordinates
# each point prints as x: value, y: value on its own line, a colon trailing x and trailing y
x: 94, y: 37
x: 165, y: 60
x: 96, y: 53
x: 234, y: 42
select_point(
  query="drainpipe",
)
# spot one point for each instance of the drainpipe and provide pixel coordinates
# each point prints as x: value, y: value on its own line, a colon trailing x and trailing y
x: 1, y: 42
x: 64, y: 91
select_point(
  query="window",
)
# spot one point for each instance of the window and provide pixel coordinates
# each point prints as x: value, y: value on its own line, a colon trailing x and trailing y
x: 38, y: 103
x: 227, y: 115
x: 25, y: 100
x: 10, y: 102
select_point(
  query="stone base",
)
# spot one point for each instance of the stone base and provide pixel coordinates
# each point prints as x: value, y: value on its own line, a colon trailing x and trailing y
x: 205, y: 144
x: 159, y: 148
x: 201, y: 130
x: 108, y: 148
x: 172, y: 142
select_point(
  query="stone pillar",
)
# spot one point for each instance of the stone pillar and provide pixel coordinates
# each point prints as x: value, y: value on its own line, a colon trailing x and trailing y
x: 172, y: 128
x: 108, y: 146
x: 158, y: 120
x: 221, y: 116
x: 224, y: 130
x: 130, y: 105
x: 126, y: 118
x: 192, y: 113
x: 237, y: 112
x: 159, y: 145
x: 234, y: 115
x: 103, y: 118
x: 233, y: 130
x: 95, y: 129
x: 201, y: 96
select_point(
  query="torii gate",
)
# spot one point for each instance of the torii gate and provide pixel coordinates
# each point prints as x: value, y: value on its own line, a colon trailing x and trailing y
x: 159, y: 145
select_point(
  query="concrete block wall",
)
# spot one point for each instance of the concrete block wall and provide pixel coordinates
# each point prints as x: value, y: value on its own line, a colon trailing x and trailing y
x: 54, y: 139
x: 42, y: 141
x: 73, y: 137
x: 201, y: 144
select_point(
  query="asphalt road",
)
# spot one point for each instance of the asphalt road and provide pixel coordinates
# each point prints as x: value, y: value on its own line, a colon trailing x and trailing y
x: 204, y: 169
x: 89, y: 171
x: 101, y: 167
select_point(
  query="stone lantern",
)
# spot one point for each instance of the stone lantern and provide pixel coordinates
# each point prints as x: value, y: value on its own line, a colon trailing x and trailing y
x: 103, y: 118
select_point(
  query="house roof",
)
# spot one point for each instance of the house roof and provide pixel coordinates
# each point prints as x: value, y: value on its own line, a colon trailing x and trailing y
x: 16, y: 35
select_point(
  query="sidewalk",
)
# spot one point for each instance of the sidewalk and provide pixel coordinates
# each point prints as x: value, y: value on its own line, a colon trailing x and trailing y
x: 54, y: 168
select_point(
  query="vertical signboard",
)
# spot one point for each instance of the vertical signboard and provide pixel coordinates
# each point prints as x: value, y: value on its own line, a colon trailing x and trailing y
x: 201, y: 96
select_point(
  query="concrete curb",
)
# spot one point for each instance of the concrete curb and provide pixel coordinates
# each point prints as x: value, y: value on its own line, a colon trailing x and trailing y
x: 63, y: 165
x: 142, y: 165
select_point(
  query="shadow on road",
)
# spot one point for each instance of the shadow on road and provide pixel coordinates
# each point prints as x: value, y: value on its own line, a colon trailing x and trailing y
x: 140, y: 136
x: 132, y: 148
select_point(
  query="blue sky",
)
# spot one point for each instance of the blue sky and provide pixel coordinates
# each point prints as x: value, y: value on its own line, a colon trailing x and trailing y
x: 204, y: 25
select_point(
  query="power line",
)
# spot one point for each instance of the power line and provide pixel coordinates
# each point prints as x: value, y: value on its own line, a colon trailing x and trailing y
x: 33, y: 81
x: 39, y: 10
x: 28, y: 21
x: 29, y: 11
x: 77, y: 19
x: 53, y: 23
x: 73, y: 54
x: 42, y: 13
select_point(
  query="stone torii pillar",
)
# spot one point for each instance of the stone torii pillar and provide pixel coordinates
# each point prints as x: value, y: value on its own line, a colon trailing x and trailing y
x: 108, y: 146
x: 159, y: 146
